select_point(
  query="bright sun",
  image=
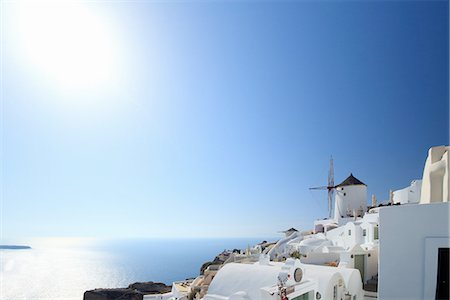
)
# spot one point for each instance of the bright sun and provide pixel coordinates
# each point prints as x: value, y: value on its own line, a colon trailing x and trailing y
x: 67, y: 42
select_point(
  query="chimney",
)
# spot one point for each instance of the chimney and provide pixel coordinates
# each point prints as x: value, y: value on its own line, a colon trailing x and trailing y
x: 264, y: 259
x: 374, y: 200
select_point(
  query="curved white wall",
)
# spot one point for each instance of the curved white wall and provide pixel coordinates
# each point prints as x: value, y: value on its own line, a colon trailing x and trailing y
x: 410, y: 194
x: 348, y: 199
x: 436, y: 177
x: 249, y: 278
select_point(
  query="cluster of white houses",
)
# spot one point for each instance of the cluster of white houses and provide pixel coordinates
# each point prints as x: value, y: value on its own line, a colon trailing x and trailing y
x: 397, y: 250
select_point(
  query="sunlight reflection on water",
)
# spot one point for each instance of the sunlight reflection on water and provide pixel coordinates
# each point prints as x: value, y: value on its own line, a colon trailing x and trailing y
x: 65, y: 268
x: 56, y: 274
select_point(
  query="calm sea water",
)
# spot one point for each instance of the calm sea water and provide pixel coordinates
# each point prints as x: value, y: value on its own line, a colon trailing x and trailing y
x: 65, y: 268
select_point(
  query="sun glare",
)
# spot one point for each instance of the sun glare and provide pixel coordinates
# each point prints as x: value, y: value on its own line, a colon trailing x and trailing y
x: 66, y: 42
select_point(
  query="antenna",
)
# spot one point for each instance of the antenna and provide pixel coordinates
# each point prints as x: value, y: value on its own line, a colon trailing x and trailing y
x: 330, y: 187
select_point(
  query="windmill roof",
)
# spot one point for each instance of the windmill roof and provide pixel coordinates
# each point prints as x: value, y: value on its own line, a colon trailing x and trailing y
x: 351, y: 180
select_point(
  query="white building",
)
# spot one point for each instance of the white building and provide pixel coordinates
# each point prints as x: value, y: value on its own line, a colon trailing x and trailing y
x: 410, y: 194
x: 415, y: 239
x: 398, y: 250
x: 271, y: 280
x: 350, y: 202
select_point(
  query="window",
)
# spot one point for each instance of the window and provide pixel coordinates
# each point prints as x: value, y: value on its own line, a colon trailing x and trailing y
x: 364, y: 232
x: 349, y: 232
x: 305, y: 296
x: 335, y: 292
x: 375, y: 233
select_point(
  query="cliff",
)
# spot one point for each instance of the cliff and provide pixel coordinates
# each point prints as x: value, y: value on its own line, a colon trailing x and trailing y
x: 135, y: 291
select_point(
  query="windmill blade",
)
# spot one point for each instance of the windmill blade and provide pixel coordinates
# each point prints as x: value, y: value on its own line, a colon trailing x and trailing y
x: 331, y: 173
x: 319, y: 188
x: 330, y: 203
x: 330, y: 186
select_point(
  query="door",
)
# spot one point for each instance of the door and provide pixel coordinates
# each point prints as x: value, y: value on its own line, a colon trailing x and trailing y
x: 442, y: 285
x: 359, y: 264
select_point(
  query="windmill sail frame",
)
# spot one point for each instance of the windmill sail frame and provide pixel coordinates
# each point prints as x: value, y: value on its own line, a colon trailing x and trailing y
x: 330, y: 187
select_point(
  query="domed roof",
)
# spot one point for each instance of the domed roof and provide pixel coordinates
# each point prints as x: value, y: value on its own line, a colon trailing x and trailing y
x: 351, y: 180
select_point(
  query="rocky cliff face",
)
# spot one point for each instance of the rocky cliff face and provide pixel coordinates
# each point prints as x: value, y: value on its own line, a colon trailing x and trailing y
x: 135, y: 291
x: 150, y: 287
x: 113, y: 294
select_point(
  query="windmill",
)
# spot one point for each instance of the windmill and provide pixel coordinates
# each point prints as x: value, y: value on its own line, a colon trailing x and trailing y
x: 330, y: 187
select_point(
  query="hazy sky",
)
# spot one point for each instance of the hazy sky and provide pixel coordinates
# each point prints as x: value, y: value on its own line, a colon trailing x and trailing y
x: 182, y: 119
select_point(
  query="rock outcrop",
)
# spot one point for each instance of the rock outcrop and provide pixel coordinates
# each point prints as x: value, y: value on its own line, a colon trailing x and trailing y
x: 150, y: 287
x: 113, y: 294
x: 135, y: 291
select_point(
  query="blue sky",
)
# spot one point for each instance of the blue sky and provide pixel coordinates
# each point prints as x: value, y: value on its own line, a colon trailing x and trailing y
x: 213, y: 119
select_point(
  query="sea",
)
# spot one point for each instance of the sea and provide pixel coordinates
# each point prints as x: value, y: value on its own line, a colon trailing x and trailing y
x: 64, y: 268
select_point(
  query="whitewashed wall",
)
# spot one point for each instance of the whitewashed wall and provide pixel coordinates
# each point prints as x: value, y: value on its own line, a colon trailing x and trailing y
x: 402, y: 259
x: 349, y: 198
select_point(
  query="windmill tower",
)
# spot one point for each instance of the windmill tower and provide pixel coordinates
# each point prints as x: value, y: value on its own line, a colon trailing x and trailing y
x: 330, y: 187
